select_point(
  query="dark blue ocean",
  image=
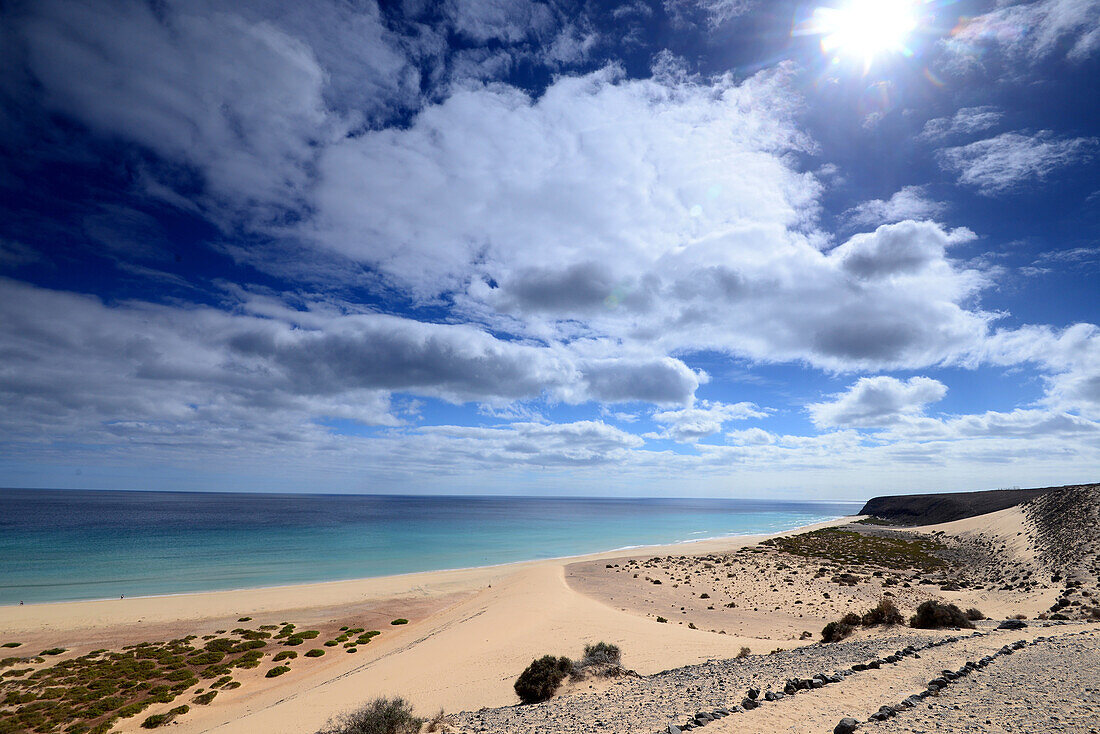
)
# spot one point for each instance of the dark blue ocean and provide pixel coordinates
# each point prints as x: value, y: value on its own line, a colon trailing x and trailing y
x: 60, y: 545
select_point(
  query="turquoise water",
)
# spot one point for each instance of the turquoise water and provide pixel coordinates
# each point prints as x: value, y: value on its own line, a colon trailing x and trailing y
x: 58, y: 545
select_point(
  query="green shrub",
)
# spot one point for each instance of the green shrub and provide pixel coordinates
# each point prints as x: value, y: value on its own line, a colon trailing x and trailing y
x: 400, y: 621
x: 293, y: 641
x: 11, y: 644
x: 541, y: 678
x: 602, y: 653
x: 210, y: 657
x: 662, y: 620
x: 277, y: 671
x: 205, y: 698
x: 852, y: 619
x: 974, y: 614
x: 245, y: 619
x: 935, y: 615
x: 744, y: 652
x: 285, y: 655
x: 380, y: 716
x: 835, y: 632
x: 161, y: 719
x: 315, y: 653
x: 53, y: 651
x: 885, y: 613
x: 331, y: 643
x: 308, y: 634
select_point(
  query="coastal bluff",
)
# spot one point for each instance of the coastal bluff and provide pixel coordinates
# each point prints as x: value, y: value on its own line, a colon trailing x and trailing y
x: 930, y: 509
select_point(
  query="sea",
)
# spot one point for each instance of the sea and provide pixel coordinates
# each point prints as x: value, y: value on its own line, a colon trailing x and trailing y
x: 62, y: 545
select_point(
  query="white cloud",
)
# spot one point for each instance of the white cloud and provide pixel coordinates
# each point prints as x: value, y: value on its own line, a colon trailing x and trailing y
x: 508, y: 21
x: 712, y: 13
x: 659, y: 214
x: 966, y: 121
x: 911, y: 202
x: 689, y: 425
x: 877, y: 401
x: 999, y: 164
x: 1033, y: 30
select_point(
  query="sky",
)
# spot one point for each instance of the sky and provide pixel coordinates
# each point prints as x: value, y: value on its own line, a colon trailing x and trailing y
x: 728, y: 248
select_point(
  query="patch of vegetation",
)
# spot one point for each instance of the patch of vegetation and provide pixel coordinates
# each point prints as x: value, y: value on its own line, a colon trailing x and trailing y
x: 400, y: 621
x: 285, y: 655
x: 849, y: 546
x: 161, y: 719
x: 205, y: 698
x: 541, y: 678
x: 602, y: 653
x: 277, y: 671
x: 91, y: 692
x: 744, y: 652
x: 662, y: 620
x: 315, y: 653
x: 835, y: 631
x: 11, y: 644
x: 885, y: 612
x: 380, y: 716
x: 245, y: 619
x: 937, y: 615
x: 873, y: 521
x: 974, y: 614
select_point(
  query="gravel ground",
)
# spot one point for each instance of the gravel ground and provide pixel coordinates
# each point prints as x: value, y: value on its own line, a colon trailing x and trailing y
x: 639, y: 704
x: 1051, y: 686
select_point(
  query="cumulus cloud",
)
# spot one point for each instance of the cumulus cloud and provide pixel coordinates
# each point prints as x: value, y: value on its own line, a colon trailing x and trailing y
x: 662, y: 214
x: 240, y: 101
x: 689, y: 425
x: 73, y: 364
x: 1000, y: 164
x: 911, y: 202
x: 966, y: 121
x: 877, y: 401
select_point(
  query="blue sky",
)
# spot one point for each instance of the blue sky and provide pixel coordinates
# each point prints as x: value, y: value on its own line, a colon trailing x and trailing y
x: 680, y: 247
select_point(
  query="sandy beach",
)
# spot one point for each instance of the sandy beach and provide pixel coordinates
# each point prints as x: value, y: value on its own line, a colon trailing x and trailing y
x: 470, y: 632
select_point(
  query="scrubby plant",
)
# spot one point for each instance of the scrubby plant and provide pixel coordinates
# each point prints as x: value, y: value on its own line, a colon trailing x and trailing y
x: 852, y: 619
x: 380, y: 716
x: 161, y: 719
x: 315, y: 653
x: 662, y: 620
x: 53, y: 651
x: 974, y: 614
x: 245, y: 619
x: 205, y: 698
x: 744, y: 652
x: 285, y: 655
x: 602, y: 653
x: 835, y: 632
x: 400, y: 620
x: 541, y: 678
x: 11, y: 644
x: 277, y: 671
x: 886, y: 612
x: 935, y: 615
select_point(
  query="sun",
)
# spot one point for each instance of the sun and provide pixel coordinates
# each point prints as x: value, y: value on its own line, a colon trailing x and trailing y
x: 865, y: 29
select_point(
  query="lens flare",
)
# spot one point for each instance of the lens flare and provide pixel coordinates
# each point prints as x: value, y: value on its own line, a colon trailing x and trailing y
x: 866, y: 29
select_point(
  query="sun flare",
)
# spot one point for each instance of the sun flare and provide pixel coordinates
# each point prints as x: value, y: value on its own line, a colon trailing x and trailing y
x: 865, y: 29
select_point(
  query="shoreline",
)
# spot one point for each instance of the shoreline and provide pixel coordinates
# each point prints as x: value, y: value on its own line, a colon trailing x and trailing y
x: 190, y: 607
x: 592, y: 555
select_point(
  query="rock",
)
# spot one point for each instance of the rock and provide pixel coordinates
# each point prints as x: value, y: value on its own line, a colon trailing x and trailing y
x: 753, y: 693
x: 748, y: 704
x: 847, y: 725
x: 673, y: 729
